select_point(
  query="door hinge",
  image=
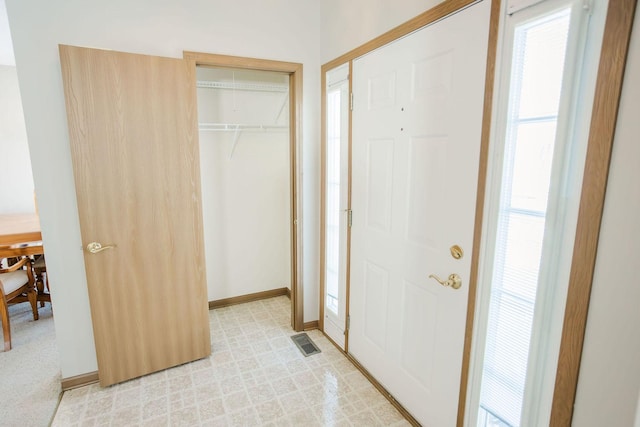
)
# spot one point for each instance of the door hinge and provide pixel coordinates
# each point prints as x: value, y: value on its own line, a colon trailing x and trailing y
x: 348, y: 322
x: 351, y: 101
x: 349, y: 218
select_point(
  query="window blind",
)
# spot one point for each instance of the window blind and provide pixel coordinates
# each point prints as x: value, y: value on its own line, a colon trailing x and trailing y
x: 537, y: 67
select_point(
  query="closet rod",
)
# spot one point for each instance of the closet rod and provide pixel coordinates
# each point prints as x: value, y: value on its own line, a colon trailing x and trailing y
x: 257, y: 87
x: 222, y: 127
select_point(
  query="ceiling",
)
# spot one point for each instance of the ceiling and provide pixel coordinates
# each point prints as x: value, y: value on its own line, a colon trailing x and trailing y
x: 6, y: 47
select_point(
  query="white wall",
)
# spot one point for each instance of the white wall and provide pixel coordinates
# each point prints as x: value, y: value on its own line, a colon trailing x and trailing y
x: 245, y: 205
x: 349, y: 24
x: 6, y: 47
x: 286, y: 30
x: 609, y: 382
x: 15, y: 165
x: 245, y: 185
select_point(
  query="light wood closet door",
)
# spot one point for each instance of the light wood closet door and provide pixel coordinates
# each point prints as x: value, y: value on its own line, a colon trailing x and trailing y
x: 134, y: 143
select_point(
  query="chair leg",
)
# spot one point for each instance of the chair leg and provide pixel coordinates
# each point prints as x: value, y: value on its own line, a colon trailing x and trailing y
x: 32, y: 295
x: 6, y: 327
x: 39, y: 283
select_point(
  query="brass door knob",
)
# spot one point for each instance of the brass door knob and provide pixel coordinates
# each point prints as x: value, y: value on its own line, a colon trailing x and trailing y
x: 95, y: 247
x: 454, y: 281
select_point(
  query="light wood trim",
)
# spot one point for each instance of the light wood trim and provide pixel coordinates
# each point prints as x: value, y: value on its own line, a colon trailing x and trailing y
x: 349, y: 173
x: 376, y: 384
x: 215, y: 60
x: 611, y: 70
x: 256, y: 296
x: 79, y: 381
x: 323, y: 199
x: 432, y: 15
x: 295, y: 135
x: 384, y: 392
x: 485, y: 139
x: 323, y: 193
x: 309, y: 326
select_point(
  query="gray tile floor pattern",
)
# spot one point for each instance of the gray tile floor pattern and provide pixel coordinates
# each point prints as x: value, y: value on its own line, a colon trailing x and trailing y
x: 255, y: 376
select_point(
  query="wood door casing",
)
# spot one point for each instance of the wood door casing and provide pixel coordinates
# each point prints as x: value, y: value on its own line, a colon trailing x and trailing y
x: 295, y: 137
x: 134, y: 143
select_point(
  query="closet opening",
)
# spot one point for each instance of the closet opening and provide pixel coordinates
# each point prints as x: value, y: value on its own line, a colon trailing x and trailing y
x: 247, y: 117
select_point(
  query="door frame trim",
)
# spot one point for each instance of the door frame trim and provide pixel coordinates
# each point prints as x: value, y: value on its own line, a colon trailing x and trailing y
x: 323, y: 198
x: 295, y: 137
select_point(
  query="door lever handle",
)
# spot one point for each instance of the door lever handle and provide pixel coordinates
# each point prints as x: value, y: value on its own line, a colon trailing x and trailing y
x: 454, y: 281
x: 95, y: 247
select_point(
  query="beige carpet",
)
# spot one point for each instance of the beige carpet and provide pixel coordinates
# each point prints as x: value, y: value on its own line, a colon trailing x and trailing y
x: 30, y: 371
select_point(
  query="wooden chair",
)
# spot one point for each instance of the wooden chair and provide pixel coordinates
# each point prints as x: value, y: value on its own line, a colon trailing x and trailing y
x: 35, y: 251
x: 16, y: 285
x: 40, y: 271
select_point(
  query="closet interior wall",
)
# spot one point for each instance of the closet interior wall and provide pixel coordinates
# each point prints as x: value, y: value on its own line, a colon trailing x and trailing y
x: 245, y: 171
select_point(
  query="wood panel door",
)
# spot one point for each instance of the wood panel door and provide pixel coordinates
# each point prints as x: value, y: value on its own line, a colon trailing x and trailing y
x: 417, y: 120
x: 134, y: 144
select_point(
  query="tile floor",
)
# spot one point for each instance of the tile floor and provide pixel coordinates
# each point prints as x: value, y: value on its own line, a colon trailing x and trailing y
x: 255, y: 376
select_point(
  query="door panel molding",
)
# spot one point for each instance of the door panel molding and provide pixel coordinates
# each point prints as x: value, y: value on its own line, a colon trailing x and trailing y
x: 295, y: 137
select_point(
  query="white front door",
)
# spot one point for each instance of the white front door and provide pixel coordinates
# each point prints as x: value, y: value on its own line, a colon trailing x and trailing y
x: 417, y: 121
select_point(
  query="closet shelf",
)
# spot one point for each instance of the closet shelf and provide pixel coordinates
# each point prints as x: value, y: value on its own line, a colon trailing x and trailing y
x: 238, y: 129
x: 256, y: 87
x: 233, y: 127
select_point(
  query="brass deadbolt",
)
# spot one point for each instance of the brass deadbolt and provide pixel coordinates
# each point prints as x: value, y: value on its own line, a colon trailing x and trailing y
x: 456, y: 251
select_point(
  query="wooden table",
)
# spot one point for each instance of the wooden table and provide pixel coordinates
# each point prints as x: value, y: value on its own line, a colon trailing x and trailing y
x: 20, y: 236
x: 19, y: 228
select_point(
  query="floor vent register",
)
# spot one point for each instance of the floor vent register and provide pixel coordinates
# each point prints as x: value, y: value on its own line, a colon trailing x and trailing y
x: 304, y: 343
